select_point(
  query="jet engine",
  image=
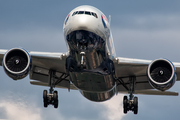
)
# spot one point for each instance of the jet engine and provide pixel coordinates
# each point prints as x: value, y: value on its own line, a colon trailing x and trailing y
x: 161, y: 74
x: 17, y: 63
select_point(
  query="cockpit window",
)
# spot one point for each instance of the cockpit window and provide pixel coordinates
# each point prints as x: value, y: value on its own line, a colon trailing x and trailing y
x: 94, y: 14
x: 74, y: 13
x: 67, y: 19
x: 86, y: 13
x: 81, y: 12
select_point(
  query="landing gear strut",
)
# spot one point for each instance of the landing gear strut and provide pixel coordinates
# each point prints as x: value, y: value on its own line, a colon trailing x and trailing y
x: 52, y: 96
x: 132, y: 102
x: 82, y: 64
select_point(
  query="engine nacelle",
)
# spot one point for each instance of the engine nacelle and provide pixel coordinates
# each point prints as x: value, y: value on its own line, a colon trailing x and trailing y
x: 162, y: 74
x: 17, y: 63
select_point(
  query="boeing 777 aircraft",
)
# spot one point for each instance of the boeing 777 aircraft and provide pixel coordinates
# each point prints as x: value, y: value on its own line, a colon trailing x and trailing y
x: 91, y: 65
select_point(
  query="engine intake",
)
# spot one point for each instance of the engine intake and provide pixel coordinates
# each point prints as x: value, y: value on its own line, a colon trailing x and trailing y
x: 161, y: 74
x: 17, y: 63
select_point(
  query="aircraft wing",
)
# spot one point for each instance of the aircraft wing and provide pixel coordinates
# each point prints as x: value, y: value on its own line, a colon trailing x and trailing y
x: 42, y: 62
x: 127, y: 67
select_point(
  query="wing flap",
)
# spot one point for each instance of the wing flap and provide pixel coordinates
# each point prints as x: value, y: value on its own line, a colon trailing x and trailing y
x: 153, y: 92
x: 71, y: 86
x: 42, y: 74
x: 141, y: 84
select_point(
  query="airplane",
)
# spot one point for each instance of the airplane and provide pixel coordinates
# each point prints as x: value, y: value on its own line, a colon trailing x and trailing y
x: 91, y: 65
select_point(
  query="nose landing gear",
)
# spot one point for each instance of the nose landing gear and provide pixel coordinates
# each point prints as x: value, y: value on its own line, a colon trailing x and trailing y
x: 82, y: 63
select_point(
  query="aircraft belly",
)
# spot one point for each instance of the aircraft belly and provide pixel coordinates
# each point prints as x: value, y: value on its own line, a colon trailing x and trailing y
x: 92, y: 82
x: 99, y: 96
x: 96, y: 87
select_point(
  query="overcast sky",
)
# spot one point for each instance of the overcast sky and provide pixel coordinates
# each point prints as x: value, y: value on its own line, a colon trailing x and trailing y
x: 141, y: 29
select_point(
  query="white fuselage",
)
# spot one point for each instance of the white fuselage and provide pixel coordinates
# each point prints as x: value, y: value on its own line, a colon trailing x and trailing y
x: 91, y: 51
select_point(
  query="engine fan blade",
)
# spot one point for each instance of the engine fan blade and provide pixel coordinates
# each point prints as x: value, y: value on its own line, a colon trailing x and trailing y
x: 16, y: 63
x: 161, y: 74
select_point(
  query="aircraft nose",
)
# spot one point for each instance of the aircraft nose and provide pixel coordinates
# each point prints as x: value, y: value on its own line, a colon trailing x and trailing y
x: 85, y: 22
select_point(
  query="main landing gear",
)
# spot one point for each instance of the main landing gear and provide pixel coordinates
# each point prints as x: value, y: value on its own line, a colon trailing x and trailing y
x: 130, y: 104
x: 52, y: 96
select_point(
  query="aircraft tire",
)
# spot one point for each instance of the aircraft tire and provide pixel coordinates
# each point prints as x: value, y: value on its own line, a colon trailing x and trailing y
x: 45, y: 100
x: 125, y: 104
x: 56, y: 103
x: 135, y: 105
x: 55, y: 95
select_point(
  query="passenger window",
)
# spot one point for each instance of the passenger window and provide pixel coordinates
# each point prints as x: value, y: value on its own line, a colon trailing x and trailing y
x: 81, y: 12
